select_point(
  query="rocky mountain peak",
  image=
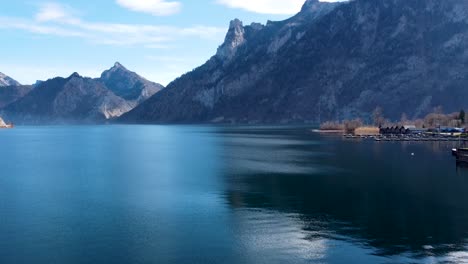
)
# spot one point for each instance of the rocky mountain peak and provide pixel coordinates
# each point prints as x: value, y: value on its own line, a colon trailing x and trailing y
x: 234, y: 38
x: 116, y: 71
x: 235, y: 24
x: 118, y: 66
x: 317, y: 8
x: 75, y: 75
x: 257, y: 26
x: 127, y: 84
x: 37, y: 83
x: 310, y: 4
x: 7, y: 81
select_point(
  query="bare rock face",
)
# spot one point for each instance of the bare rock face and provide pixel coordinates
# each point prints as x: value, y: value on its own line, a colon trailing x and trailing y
x: 248, y: 54
x: 129, y: 85
x: 330, y: 61
x: 7, y: 81
x: 234, y: 38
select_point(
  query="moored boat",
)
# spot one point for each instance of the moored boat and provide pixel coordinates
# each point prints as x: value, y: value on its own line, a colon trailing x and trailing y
x: 462, y: 155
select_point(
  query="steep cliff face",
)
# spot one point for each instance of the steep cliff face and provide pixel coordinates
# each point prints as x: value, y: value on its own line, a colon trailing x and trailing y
x: 330, y: 61
x: 217, y: 90
x: 234, y: 39
x: 405, y: 56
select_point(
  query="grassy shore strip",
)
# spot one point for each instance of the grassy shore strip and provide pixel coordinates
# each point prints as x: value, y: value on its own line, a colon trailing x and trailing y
x: 436, y: 121
x: 367, y: 131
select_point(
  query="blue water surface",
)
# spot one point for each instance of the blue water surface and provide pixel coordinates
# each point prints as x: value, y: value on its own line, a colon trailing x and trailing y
x: 195, y: 194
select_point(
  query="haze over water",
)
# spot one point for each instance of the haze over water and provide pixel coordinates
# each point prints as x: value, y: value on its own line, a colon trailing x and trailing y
x: 192, y: 194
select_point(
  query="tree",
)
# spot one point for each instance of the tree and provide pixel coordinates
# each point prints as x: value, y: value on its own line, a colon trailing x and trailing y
x: 351, y: 125
x: 462, y: 116
x: 378, y: 117
x: 404, y: 119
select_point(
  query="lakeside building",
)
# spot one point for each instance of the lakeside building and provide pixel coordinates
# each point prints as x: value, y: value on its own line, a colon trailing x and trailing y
x: 411, y: 129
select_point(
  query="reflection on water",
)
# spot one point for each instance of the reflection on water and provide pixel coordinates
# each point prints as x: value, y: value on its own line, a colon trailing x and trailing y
x: 170, y: 194
x: 404, y: 202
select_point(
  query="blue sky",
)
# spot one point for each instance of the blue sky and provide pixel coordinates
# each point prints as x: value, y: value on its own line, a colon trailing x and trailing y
x: 159, y: 39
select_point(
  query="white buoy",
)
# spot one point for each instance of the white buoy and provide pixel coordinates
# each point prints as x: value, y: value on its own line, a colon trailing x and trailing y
x: 412, y: 154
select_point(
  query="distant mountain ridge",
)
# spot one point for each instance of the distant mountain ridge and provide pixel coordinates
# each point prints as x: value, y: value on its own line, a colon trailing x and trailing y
x: 331, y: 61
x: 78, y: 99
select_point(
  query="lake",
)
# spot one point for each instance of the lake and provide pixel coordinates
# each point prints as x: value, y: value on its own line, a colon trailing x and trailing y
x: 190, y: 194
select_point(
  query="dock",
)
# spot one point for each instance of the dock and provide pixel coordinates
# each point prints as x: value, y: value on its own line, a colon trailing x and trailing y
x: 461, y: 155
x: 411, y: 138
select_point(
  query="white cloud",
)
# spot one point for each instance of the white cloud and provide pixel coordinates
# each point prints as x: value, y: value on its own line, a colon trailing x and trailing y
x: 275, y: 7
x: 31, y: 26
x: 153, y: 7
x: 58, y: 20
x: 54, y: 12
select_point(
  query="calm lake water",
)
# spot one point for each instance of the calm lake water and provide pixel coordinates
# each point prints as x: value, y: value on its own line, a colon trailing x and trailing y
x: 169, y: 194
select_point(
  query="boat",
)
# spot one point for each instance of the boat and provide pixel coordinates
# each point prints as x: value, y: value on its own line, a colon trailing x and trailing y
x: 462, y: 155
x: 454, y: 152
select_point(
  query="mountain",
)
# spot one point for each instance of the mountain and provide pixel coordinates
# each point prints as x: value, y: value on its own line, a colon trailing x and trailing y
x: 72, y: 99
x: 129, y: 85
x: 7, y: 81
x: 78, y: 99
x: 331, y: 61
x: 10, y: 94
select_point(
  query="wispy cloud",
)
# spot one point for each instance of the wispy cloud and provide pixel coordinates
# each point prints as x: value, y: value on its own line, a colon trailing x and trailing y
x: 58, y: 20
x: 31, y: 26
x: 55, y: 12
x: 274, y: 7
x: 153, y: 7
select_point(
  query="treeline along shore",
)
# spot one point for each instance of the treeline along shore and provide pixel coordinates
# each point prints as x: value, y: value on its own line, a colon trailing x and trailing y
x: 436, y: 122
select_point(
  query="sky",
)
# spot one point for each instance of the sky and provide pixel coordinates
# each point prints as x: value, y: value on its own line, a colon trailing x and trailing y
x: 158, y: 39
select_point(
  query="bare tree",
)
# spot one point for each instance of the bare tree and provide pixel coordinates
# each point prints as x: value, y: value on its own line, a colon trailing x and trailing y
x: 461, y: 116
x: 351, y: 125
x: 378, y: 117
x: 404, y: 119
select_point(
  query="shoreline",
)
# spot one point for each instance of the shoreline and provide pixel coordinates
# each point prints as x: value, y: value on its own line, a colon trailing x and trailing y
x: 328, y: 131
